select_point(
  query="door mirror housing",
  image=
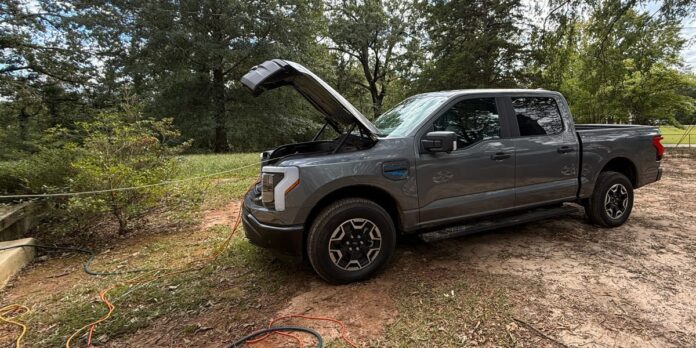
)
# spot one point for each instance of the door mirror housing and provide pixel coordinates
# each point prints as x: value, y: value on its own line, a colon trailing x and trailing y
x: 443, y: 141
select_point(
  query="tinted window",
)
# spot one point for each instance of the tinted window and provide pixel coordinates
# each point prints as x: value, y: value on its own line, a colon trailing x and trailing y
x: 472, y: 120
x: 537, y: 116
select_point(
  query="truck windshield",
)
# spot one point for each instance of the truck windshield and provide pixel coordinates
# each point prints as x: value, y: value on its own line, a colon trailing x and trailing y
x: 401, y: 119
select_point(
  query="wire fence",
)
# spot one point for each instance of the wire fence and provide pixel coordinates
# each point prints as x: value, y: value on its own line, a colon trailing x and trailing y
x: 679, y: 140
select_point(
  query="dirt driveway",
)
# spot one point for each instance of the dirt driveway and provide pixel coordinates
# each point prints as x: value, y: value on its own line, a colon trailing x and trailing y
x: 551, y: 283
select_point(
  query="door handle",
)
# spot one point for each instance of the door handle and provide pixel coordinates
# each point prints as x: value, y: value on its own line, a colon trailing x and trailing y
x: 565, y: 149
x: 500, y: 156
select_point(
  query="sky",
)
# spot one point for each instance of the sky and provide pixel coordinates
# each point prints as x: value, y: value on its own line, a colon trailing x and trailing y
x: 689, y: 33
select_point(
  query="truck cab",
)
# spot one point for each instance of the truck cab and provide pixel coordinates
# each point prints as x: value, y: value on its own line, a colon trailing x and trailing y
x: 441, y: 165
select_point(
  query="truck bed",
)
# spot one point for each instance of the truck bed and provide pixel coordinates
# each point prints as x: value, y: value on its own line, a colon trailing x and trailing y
x: 629, y: 146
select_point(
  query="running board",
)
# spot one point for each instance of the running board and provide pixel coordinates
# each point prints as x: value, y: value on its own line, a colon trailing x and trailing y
x: 499, y: 222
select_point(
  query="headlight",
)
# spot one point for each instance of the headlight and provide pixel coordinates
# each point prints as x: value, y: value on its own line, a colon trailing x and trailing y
x: 276, y: 183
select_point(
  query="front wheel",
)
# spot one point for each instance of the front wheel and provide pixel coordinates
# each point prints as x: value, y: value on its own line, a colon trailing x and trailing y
x: 350, y: 240
x: 612, y: 200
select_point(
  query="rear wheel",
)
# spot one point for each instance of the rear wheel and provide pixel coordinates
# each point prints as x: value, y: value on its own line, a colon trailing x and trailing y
x: 350, y: 240
x: 612, y: 200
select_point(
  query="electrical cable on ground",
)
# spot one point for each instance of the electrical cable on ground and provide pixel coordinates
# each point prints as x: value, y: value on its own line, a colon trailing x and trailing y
x: 342, y: 330
x: 110, y: 306
x: 4, y: 311
x: 87, y: 265
x: 280, y: 330
x: 103, y: 294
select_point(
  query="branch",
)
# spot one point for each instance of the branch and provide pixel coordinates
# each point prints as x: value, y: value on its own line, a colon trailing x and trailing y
x: 344, y: 51
x: 535, y: 330
x: 10, y: 69
x: 543, y: 28
x: 610, y: 27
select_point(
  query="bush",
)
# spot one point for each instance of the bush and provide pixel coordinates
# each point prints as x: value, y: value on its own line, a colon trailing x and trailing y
x: 120, y: 154
x: 109, y: 152
x: 44, y: 172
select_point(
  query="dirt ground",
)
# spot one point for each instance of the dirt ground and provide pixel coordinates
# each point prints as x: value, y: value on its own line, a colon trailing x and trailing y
x: 576, y: 284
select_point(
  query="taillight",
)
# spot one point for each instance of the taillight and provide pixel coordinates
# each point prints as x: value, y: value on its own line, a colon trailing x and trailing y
x: 658, y: 146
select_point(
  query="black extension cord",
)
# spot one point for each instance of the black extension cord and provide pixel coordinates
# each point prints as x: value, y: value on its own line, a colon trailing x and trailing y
x: 87, y: 263
x: 240, y: 342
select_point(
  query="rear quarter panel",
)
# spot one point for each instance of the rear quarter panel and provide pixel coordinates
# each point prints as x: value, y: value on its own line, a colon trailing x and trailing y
x: 601, y: 144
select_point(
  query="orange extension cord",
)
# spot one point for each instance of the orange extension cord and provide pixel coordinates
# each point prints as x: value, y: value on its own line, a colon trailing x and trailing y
x: 10, y: 310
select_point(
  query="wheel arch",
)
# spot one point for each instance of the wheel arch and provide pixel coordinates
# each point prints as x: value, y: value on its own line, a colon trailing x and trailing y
x: 373, y: 193
x: 624, y: 166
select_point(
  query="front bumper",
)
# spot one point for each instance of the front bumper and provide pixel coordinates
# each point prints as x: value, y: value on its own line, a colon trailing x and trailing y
x: 286, y: 239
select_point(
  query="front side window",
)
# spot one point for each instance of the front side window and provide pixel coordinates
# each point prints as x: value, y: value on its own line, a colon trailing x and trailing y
x: 537, y: 116
x: 408, y: 114
x: 472, y: 120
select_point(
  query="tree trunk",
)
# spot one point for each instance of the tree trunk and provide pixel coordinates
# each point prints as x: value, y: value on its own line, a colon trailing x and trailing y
x: 377, y: 105
x: 376, y: 98
x: 23, y: 120
x: 220, y: 113
x: 119, y: 214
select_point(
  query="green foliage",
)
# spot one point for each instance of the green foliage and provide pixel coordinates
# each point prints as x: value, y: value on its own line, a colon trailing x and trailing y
x: 117, y: 154
x: 371, y: 39
x: 620, y: 64
x: 46, y: 171
x: 189, y: 68
x: 475, y: 44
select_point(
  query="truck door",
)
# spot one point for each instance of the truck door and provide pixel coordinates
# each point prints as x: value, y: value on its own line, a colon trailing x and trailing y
x: 478, y: 176
x: 546, y: 149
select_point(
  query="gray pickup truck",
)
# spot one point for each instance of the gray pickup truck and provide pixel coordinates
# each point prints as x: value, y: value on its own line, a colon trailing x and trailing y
x: 441, y: 165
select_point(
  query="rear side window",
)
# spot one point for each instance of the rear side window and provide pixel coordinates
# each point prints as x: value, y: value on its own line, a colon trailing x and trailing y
x: 472, y: 120
x: 537, y: 116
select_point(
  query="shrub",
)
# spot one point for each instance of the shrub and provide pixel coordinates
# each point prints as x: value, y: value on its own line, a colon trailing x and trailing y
x: 43, y: 172
x: 117, y: 153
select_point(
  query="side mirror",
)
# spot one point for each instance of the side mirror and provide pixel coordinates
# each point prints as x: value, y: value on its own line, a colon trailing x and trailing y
x: 444, y: 141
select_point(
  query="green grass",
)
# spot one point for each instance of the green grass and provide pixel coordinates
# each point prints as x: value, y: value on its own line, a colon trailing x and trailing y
x: 672, y: 135
x: 197, y: 165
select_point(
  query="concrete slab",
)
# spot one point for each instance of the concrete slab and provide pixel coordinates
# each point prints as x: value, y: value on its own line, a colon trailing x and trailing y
x: 13, y: 260
x: 16, y: 220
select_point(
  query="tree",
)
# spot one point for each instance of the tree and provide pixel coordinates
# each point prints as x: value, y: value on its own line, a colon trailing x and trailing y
x: 615, y: 62
x: 37, y: 44
x: 185, y: 57
x: 42, y: 63
x: 473, y: 44
x: 374, y: 35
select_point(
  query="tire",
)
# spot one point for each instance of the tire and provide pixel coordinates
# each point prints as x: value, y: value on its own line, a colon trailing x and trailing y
x: 357, y: 224
x: 612, y: 200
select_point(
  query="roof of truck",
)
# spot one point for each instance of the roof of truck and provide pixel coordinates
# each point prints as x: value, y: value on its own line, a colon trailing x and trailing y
x: 457, y: 92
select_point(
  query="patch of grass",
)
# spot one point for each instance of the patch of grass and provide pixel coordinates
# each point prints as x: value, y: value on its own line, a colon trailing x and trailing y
x: 468, y: 310
x: 197, y: 165
x: 672, y: 135
x: 235, y: 279
x: 216, y: 190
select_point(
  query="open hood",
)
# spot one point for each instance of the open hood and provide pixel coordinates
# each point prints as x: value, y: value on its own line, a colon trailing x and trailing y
x: 277, y: 72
